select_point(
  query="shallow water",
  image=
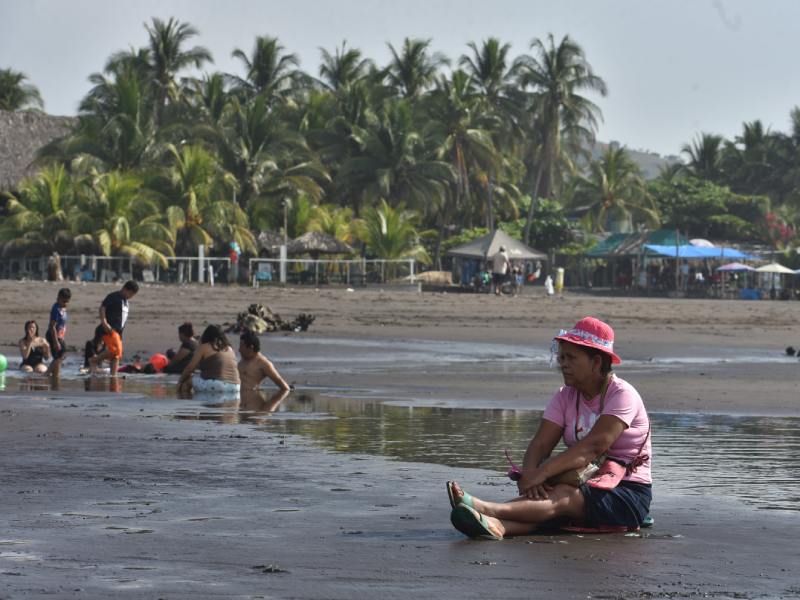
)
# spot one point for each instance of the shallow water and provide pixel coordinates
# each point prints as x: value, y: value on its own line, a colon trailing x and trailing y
x: 752, y: 459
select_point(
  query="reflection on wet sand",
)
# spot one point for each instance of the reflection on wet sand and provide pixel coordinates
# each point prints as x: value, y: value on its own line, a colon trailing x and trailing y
x: 254, y: 406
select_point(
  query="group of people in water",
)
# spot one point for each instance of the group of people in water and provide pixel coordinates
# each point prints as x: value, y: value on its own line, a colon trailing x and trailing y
x: 205, y: 365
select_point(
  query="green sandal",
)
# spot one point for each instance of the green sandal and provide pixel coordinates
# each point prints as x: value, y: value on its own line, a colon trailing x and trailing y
x: 465, y: 499
x: 471, y: 523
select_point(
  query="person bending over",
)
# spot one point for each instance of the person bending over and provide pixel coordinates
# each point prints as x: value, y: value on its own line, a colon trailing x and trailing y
x: 254, y: 367
x: 113, y: 317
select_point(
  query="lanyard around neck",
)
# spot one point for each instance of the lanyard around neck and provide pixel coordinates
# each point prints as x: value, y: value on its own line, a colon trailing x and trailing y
x: 603, y: 391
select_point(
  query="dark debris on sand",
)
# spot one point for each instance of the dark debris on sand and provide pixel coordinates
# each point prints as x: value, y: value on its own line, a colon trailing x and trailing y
x: 260, y: 319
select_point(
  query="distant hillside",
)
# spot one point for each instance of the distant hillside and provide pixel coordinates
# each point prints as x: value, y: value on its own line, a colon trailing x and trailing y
x: 651, y: 163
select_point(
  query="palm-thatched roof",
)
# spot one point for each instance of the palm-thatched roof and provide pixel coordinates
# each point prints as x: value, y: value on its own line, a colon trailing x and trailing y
x: 22, y: 134
x: 269, y: 241
x: 315, y: 242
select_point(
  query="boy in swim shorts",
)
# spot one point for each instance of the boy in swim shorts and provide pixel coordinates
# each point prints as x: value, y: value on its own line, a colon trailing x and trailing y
x: 57, y: 330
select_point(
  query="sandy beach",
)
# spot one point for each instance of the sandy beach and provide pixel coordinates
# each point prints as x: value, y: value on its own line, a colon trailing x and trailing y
x: 109, y: 495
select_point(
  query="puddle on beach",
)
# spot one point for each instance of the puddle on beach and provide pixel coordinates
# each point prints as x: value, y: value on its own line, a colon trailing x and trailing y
x: 733, y: 456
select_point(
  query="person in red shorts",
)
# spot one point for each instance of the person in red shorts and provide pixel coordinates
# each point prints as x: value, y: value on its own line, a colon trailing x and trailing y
x: 113, y: 316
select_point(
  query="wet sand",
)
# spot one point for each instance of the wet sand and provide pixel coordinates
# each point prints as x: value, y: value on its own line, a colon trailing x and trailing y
x: 103, y: 500
x: 105, y: 496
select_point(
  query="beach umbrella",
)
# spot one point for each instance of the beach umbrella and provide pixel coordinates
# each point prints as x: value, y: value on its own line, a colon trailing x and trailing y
x: 316, y: 243
x: 735, y: 266
x: 775, y: 268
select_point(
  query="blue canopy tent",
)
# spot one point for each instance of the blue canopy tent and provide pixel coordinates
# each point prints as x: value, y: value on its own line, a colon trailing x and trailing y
x: 688, y: 252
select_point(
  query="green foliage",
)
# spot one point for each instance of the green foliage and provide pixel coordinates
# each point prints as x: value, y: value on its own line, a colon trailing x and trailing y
x: 15, y: 93
x: 704, y: 209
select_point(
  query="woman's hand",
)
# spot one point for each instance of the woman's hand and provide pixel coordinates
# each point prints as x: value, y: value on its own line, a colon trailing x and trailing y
x: 533, y: 486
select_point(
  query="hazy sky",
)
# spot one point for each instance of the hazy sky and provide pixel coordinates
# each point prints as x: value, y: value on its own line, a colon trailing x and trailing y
x: 673, y: 67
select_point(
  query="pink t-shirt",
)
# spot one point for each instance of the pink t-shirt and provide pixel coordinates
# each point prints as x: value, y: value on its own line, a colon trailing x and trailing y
x: 622, y: 401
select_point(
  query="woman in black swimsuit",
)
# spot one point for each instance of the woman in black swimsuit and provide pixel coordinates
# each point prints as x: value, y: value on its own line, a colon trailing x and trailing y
x: 33, y: 349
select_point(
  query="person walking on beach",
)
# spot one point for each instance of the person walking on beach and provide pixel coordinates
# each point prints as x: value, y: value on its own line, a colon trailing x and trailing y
x: 57, y: 330
x: 254, y: 367
x: 113, y: 316
x: 33, y: 349
x: 600, y: 418
x: 501, y: 266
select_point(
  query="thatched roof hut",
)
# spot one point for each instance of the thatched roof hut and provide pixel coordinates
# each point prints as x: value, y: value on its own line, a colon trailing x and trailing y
x: 315, y: 243
x: 269, y: 242
x: 22, y: 134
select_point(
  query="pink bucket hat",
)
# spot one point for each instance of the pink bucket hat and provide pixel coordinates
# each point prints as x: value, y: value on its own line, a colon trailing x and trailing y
x: 592, y: 333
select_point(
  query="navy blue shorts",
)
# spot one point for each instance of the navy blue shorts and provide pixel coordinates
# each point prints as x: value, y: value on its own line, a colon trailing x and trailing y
x: 56, y: 354
x: 627, y: 504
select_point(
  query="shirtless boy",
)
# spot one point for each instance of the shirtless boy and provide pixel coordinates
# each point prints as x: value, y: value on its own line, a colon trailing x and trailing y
x: 254, y: 366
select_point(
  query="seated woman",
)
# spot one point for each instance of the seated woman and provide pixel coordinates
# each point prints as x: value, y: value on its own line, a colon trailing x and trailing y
x: 180, y: 359
x: 33, y: 349
x: 216, y: 362
x: 596, y: 413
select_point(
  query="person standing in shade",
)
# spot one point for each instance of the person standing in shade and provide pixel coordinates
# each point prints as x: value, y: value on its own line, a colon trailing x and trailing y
x: 113, y: 317
x: 57, y: 330
x: 501, y: 266
x: 254, y: 366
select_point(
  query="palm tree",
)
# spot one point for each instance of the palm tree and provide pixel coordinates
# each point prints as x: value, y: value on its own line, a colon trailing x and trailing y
x: 116, y: 126
x: 266, y: 159
x: 493, y: 77
x: 168, y: 57
x: 616, y: 193
x: 394, y: 164
x: 209, y: 99
x: 558, y: 74
x: 336, y: 221
x: 121, y: 219
x: 704, y: 156
x: 460, y: 129
x: 195, y: 192
x: 268, y: 70
x: 342, y: 68
x: 40, y: 217
x: 390, y: 233
x: 15, y: 93
x: 413, y: 69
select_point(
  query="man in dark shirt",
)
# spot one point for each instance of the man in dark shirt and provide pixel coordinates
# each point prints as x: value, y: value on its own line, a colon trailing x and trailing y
x: 113, y: 316
x: 178, y: 360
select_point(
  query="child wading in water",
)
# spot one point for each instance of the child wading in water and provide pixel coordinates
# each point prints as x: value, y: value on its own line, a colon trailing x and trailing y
x: 57, y: 330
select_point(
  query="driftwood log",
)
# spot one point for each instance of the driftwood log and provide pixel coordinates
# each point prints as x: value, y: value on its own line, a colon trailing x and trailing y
x: 260, y: 319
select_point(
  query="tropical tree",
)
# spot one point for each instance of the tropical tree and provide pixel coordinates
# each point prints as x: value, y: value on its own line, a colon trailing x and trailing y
x: 269, y: 71
x: 168, y: 56
x: 41, y: 215
x: 343, y: 68
x: 390, y: 233
x: 704, y: 156
x: 616, y: 193
x: 558, y: 75
x: 196, y: 195
x: 413, y: 68
x: 395, y: 165
x: 336, y: 221
x: 268, y: 161
x: 15, y: 93
x: 460, y: 128
x: 122, y: 219
x: 116, y: 126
